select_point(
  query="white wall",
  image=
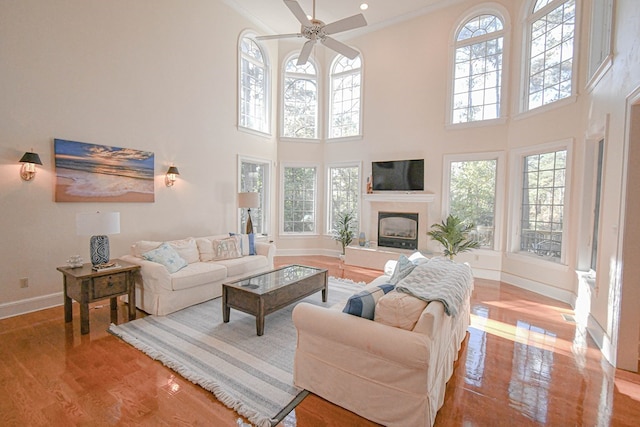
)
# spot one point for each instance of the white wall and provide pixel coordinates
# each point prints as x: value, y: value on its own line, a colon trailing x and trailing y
x: 156, y: 75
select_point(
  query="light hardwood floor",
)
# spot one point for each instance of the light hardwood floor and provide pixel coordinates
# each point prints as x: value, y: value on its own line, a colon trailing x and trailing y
x: 522, y: 364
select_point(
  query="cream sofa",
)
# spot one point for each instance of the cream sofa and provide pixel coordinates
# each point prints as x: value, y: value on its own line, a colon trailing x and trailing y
x: 389, y: 375
x: 160, y: 292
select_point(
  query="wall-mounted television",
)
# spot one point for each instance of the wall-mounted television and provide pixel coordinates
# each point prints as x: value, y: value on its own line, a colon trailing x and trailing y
x: 398, y: 175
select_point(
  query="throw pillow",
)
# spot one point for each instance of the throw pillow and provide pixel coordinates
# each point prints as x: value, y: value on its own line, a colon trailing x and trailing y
x: 167, y: 256
x: 228, y: 248
x: 187, y: 249
x: 402, y: 270
x: 143, y: 246
x: 205, y: 248
x: 247, y: 244
x: 363, y: 303
x: 399, y: 310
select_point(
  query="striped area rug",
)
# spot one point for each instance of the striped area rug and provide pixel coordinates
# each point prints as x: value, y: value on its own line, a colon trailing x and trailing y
x: 252, y: 375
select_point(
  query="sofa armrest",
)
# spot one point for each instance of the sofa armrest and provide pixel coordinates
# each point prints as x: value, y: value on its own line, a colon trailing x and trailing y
x: 393, y: 344
x: 154, y: 276
x: 267, y: 249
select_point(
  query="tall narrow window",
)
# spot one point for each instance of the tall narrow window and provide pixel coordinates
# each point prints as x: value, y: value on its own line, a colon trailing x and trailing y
x: 478, y: 69
x: 300, y: 100
x: 344, y: 193
x: 254, y: 83
x: 543, y: 204
x: 346, y: 93
x: 299, y: 204
x: 472, y: 196
x: 551, y: 36
x: 254, y: 177
x: 596, y: 209
x: 600, y: 37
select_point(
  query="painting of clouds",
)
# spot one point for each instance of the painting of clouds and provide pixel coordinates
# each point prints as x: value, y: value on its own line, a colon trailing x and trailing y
x: 99, y: 173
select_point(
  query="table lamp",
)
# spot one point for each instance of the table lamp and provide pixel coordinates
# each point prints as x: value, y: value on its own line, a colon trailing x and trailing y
x: 98, y: 225
x: 249, y: 200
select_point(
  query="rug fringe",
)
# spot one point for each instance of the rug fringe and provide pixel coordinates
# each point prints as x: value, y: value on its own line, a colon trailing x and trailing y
x: 349, y: 281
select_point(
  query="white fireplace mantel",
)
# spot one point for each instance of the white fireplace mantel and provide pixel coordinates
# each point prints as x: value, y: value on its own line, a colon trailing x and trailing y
x: 399, y: 196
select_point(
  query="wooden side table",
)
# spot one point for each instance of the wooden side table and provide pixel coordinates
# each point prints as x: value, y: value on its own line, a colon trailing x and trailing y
x: 86, y: 285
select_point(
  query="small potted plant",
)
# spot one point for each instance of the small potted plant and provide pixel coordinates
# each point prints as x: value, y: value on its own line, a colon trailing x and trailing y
x: 343, y: 231
x: 453, y: 234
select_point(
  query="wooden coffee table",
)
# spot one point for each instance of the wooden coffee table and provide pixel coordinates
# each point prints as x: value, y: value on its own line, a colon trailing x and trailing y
x: 268, y: 292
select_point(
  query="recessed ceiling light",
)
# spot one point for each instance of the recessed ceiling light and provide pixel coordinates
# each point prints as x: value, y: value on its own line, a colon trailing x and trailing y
x: 364, y: 6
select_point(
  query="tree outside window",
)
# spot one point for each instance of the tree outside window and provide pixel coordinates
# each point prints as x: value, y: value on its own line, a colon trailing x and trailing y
x: 253, y: 86
x: 299, y: 208
x: 345, y: 108
x: 344, y: 193
x: 254, y: 176
x: 300, y: 100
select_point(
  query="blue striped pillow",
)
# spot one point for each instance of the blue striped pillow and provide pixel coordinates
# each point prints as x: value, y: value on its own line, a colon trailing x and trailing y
x: 363, y: 304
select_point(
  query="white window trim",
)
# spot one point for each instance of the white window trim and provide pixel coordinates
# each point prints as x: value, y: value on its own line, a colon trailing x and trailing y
x: 515, y: 207
x: 319, y: 85
x: 268, y: 96
x: 328, y: 103
x: 526, y: 61
x: 327, y: 226
x: 502, y: 13
x: 594, y: 76
x: 266, y: 202
x: 283, y: 166
x: 500, y: 157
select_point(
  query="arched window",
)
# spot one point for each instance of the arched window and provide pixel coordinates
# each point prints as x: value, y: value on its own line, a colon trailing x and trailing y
x: 300, y: 100
x: 253, y: 111
x: 477, y: 81
x: 551, y: 32
x: 346, y: 93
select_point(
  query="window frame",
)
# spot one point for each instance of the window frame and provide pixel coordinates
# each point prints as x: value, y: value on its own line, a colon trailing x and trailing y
x: 501, y: 13
x: 500, y: 158
x: 319, y: 91
x: 600, y: 40
x: 329, y: 189
x: 529, y: 18
x: 265, y: 206
x: 266, y: 132
x: 516, y: 160
x: 283, y: 168
x: 329, y: 103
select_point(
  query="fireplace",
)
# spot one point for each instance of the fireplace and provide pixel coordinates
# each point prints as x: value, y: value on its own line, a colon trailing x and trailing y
x: 398, y: 230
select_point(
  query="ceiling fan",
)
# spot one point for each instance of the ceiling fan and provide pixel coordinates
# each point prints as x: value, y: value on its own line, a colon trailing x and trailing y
x: 314, y: 30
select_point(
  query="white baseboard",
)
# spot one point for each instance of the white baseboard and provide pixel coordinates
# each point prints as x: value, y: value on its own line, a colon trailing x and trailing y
x: 307, y: 252
x: 540, y: 288
x: 30, y: 305
x: 480, y: 273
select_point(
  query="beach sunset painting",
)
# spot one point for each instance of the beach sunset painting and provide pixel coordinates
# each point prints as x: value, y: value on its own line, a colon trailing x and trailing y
x: 100, y: 173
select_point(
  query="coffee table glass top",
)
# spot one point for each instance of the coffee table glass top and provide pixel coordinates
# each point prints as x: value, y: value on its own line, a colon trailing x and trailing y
x: 275, y: 279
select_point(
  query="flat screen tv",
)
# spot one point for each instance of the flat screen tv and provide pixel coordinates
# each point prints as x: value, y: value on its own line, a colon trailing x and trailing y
x: 398, y: 175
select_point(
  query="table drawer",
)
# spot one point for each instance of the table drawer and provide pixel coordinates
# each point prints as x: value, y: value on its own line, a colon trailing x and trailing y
x: 113, y: 284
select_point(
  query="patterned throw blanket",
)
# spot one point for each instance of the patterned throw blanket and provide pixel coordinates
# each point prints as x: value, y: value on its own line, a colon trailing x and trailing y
x: 439, y: 280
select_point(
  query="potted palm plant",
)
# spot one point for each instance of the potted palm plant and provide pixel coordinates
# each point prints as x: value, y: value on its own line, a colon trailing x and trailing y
x: 453, y: 234
x: 343, y: 231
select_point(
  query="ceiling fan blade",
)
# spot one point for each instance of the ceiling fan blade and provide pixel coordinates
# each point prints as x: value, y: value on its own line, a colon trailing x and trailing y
x: 355, y: 21
x: 305, y: 52
x: 295, y: 8
x: 340, y: 47
x: 279, y: 36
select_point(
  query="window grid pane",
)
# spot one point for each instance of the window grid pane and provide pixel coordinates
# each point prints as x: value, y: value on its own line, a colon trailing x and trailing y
x: 252, y: 178
x: 472, y: 197
x: 300, y: 103
x: 478, y: 72
x: 551, y: 53
x: 253, y: 87
x: 543, y: 187
x: 299, y: 199
x: 345, y: 98
x: 344, y: 193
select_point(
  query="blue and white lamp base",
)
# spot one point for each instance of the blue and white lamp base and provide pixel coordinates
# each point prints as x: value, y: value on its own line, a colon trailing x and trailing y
x: 99, y: 249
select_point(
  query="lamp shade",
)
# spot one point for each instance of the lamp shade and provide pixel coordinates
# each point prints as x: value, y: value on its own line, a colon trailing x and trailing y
x: 99, y: 223
x: 30, y: 157
x: 173, y: 171
x: 249, y: 200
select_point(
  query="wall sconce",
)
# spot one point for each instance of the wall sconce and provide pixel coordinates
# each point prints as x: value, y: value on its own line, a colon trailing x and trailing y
x: 29, y: 162
x: 170, y: 177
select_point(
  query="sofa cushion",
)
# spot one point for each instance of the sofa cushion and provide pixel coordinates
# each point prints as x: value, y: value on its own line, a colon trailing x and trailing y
x: 244, y: 266
x: 167, y: 256
x: 196, y: 274
x: 363, y: 303
x: 399, y: 310
x: 187, y: 249
x: 139, y: 248
x: 227, y: 248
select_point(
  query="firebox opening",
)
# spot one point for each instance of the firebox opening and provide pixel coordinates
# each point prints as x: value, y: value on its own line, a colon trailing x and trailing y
x: 398, y: 230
